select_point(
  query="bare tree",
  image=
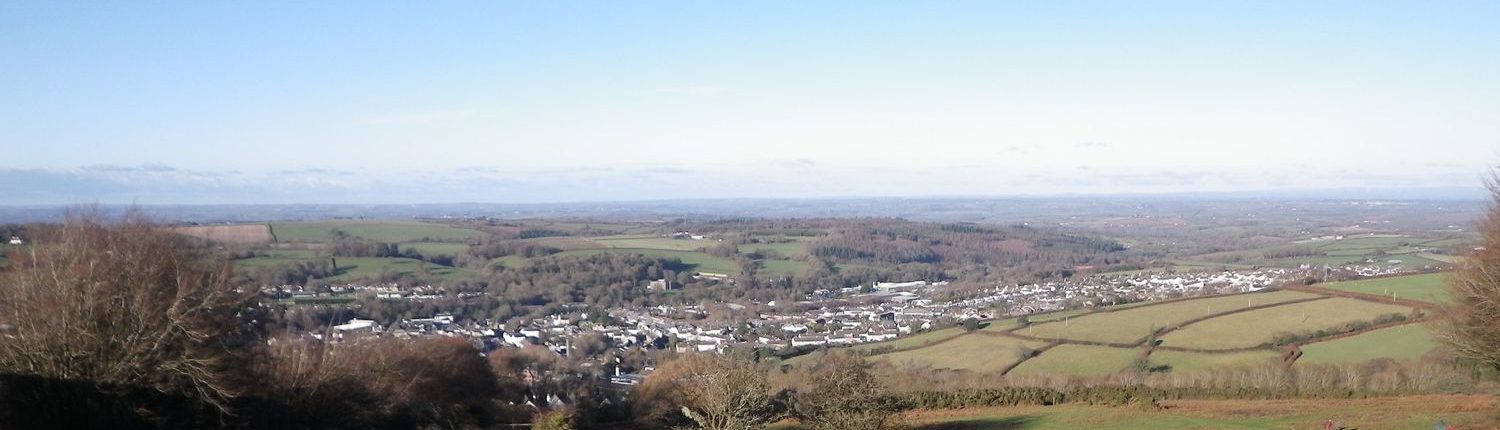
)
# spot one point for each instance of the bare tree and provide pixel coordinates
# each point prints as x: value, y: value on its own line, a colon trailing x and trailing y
x: 715, y: 392
x: 846, y: 396
x: 123, y: 304
x: 1473, y: 329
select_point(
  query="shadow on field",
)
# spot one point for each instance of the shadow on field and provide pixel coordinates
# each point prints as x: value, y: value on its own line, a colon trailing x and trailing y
x: 1007, y: 423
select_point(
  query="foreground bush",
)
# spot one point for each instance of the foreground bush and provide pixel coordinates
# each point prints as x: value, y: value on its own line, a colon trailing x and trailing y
x: 844, y: 395
x: 127, y: 312
x: 379, y: 382
x: 714, y: 392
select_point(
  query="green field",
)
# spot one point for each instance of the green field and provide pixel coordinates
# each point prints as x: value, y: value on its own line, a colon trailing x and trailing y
x: 1131, y: 325
x: 389, y: 231
x: 1407, y: 342
x: 1230, y: 331
x: 1429, y: 287
x: 781, y: 267
x: 699, y: 261
x: 654, y: 242
x: 1191, y: 361
x: 1079, y: 360
x: 978, y: 353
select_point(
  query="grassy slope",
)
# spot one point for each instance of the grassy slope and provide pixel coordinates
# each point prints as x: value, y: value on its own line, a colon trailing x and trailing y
x: 654, y: 242
x: 1427, y: 287
x: 1249, y: 329
x: 1133, y: 324
x: 1190, y: 361
x: 977, y: 353
x: 1078, y: 360
x: 781, y: 267
x: 1405, y: 342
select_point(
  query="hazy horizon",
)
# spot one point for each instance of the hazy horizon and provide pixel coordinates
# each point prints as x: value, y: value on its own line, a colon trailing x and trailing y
x: 344, y: 102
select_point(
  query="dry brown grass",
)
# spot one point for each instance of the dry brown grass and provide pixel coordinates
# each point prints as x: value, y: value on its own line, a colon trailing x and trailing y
x: 245, y: 233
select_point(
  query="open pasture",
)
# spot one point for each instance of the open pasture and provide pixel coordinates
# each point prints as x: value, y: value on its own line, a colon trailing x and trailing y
x: 654, y: 242
x: 1259, y: 327
x: 1405, y: 342
x: 1133, y: 324
x: 1082, y: 360
x: 390, y: 231
x: 977, y: 353
x: 781, y: 267
x: 1427, y: 287
x: 1181, y: 361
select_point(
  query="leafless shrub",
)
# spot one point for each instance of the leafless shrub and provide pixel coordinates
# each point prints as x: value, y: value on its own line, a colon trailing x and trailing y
x: 379, y: 382
x: 1473, y: 326
x: 123, y: 304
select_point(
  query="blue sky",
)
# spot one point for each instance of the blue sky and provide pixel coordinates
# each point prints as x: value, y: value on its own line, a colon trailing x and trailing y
x: 396, y: 102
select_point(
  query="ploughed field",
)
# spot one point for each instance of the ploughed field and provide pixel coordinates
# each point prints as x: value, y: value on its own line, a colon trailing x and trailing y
x: 1340, y: 322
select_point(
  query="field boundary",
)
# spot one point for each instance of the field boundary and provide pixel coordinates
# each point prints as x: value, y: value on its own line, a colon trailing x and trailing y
x: 1035, y: 353
x: 1365, y: 296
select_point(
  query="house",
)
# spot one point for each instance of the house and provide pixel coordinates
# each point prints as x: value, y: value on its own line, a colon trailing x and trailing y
x: 16, y: 240
x: 356, y: 326
x: 809, y: 340
x: 659, y: 284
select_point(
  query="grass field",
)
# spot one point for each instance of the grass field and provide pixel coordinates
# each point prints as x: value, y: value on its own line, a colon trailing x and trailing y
x: 654, y: 242
x: 699, y: 261
x: 1078, y: 360
x: 1428, y: 287
x: 1407, y: 342
x: 430, y: 249
x: 1413, y: 412
x: 1249, y: 329
x: 977, y: 353
x: 1133, y: 324
x: 781, y: 267
x: 390, y: 231
x: 1191, y: 361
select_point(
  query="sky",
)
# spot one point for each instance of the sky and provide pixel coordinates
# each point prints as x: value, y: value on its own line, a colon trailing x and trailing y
x: 518, y: 102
